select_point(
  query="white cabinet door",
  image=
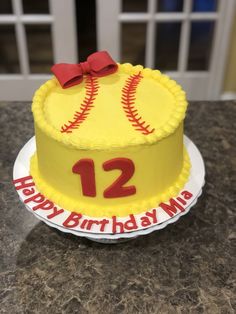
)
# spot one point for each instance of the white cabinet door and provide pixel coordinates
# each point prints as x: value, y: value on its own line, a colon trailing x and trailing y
x: 187, y: 39
x: 25, y: 31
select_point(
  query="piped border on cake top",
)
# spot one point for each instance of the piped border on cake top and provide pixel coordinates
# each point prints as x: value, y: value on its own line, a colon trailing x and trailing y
x: 156, y: 135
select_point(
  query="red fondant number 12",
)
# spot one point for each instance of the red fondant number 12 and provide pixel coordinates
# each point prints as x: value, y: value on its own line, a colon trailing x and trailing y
x: 85, y: 168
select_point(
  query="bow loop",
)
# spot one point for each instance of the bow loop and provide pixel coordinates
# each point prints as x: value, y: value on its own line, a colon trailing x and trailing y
x: 98, y: 64
x: 101, y: 63
x: 67, y: 74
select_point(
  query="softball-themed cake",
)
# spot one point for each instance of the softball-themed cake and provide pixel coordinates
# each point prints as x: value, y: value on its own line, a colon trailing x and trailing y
x: 109, y: 139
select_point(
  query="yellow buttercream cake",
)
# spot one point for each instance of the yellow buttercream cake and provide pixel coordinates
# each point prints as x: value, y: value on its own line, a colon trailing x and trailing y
x: 111, y: 145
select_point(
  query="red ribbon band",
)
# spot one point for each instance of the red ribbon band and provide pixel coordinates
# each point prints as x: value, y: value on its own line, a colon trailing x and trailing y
x: 98, y: 64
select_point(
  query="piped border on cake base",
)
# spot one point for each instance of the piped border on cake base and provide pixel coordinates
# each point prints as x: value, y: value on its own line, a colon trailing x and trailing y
x: 98, y: 211
x: 107, y: 228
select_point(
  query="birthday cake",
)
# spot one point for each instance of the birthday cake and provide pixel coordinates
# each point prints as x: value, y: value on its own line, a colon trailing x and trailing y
x: 109, y: 138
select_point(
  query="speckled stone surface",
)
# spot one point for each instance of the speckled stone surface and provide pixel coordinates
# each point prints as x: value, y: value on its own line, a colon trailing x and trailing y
x: 188, y: 267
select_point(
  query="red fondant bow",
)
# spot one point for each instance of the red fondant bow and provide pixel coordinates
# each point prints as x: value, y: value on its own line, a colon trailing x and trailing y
x: 98, y: 64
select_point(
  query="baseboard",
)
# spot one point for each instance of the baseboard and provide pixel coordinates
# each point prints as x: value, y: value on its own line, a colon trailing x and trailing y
x: 228, y: 96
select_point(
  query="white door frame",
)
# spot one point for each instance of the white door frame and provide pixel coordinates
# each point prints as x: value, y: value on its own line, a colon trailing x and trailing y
x: 62, y: 19
x: 198, y: 84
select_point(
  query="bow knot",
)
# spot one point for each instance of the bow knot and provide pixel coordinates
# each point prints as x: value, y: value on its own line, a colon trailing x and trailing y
x: 85, y: 67
x: 98, y: 64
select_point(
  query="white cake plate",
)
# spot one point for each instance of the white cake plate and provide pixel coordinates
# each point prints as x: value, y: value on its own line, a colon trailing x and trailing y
x: 162, y: 218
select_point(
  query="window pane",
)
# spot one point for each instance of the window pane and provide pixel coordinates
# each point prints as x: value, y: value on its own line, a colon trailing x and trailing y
x: 169, y: 5
x: 39, y: 48
x: 5, y: 7
x: 9, y: 62
x: 167, y: 46
x: 204, y: 5
x: 200, y: 45
x: 133, y: 43
x: 37, y: 7
x: 134, y: 5
x: 86, y: 28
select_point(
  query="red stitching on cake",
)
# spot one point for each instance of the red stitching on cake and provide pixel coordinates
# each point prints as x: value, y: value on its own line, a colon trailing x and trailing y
x: 128, y: 101
x: 91, y: 86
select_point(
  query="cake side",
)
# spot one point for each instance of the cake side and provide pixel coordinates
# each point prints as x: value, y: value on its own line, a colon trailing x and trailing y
x: 160, y: 171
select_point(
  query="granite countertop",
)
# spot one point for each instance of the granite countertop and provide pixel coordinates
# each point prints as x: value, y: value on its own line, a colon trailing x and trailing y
x: 188, y: 267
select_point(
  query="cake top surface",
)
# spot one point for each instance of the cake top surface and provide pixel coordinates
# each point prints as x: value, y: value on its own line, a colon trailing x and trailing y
x: 132, y: 106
